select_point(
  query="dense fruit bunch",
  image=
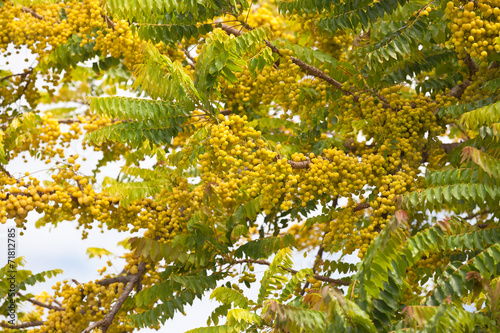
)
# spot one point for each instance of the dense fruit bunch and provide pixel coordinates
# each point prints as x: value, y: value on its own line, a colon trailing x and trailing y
x: 283, y: 84
x: 474, y: 26
x: 44, y: 28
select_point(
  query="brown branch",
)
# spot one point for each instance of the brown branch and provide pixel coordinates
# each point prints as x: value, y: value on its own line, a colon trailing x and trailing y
x: 305, y: 67
x: 474, y: 215
x: 319, y: 255
x: 22, y: 75
x: 32, y: 13
x: 361, y: 206
x: 448, y: 147
x: 229, y: 30
x: 118, y: 279
x: 493, y: 65
x: 188, y: 56
x: 24, y: 325
x: 308, y: 69
x: 299, y: 165
x: 109, y: 22
x: 2, y: 168
x: 458, y: 90
x: 293, y: 271
x: 36, y: 302
x: 108, y: 319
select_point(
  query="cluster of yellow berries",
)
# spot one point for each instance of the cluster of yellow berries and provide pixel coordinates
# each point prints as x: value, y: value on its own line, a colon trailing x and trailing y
x: 281, y: 83
x: 474, y: 25
x: 264, y: 16
x: 308, y: 238
x: 428, y: 263
x: 238, y: 161
x: 402, y: 123
x: 83, y: 304
x: 334, y: 44
x: 42, y: 28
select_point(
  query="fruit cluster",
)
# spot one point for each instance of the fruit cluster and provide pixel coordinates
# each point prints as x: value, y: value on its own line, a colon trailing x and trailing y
x: 474, y: 26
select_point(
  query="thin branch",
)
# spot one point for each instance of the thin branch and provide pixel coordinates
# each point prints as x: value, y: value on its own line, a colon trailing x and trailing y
x: 308, y: 69
x: 44, y: 305
x: 361, y: 206
x: 352, y: 291
x: 319, y: 255
x: 186, y: 53
x: 458, y: 90
x: 293, y: 271
x: 2, y: 168
x: 24, y: 325
x: 108, y: 319
x: 118, y: 279
x: 109, y: 22
x: 22, y: 75
x: 32, y: 13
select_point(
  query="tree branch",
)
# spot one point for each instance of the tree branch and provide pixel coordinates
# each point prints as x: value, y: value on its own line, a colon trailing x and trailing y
x: 458, y: 90
x: 293, y: 271
x: 118, y: 279
x: 361, y: 206
x: 319, y: 255
x: 110, y: 23
x: 24, y: 325
x: 108, y: 319
x: 32, y: 13
x: 22, y: 75
x: 36, y: 302
x: 308, y: 69
x: 188, y: 56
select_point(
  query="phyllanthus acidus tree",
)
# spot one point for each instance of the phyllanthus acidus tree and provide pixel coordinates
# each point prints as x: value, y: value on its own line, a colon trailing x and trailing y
x: 378, y: 114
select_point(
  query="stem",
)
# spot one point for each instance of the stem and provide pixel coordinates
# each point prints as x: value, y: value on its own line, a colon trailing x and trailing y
x: 24, y: 325
x: 108, y: 319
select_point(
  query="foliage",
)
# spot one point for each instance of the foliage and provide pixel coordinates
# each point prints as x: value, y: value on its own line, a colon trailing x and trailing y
x: 247, y: 133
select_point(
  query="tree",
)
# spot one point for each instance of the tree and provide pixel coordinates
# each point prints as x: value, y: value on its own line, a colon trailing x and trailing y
x: 383, y: 115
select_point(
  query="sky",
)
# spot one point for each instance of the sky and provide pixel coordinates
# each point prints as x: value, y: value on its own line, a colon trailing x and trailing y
x: 62, y: 247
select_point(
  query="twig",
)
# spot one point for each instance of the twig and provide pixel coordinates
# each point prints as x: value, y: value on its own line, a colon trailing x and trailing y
x: 118, y: 279
x: 2, y: 168
x: 186, y: 52
x: 32, y: 13
x: 24, y: 325
x: 458, y: 90
x: 361, y: 206
x: 307, y: 68
x: 352, y: 291
x: 108, y: 319
x: 315, y: 266
x: 22, y: 75
x: 36, y: 302
x: 110, y: 23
